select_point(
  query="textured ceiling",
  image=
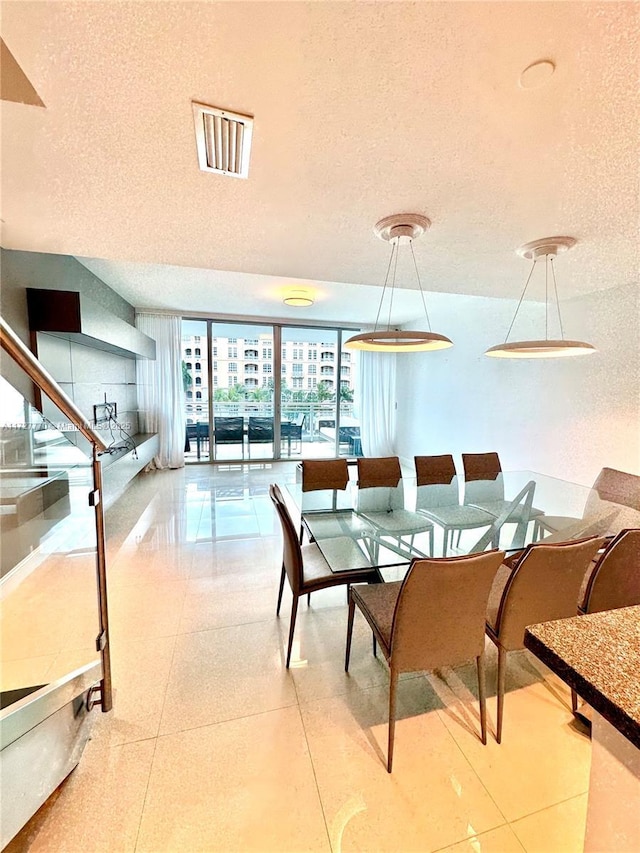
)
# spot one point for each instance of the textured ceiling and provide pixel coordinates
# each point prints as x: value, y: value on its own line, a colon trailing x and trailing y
x: 361, y: 110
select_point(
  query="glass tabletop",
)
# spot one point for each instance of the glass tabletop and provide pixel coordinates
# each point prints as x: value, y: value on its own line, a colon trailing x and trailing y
x: 392, y: 526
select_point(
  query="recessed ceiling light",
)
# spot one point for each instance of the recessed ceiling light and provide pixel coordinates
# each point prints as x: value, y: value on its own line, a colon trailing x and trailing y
x: 299, y: 297
x: 537, y: 74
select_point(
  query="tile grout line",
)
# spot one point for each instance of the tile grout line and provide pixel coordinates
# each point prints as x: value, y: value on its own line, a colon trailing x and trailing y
x: 155, y: 745
x: 551, y: 806
x: 313, y: 767
x: 475, y: 772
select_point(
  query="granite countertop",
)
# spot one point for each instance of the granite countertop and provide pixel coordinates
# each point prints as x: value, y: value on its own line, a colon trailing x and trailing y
x: 599, y: 656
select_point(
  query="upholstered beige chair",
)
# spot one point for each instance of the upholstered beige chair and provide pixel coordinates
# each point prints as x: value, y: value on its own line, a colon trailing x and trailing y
x: 433, y: 618
x: 438, y: 499
x: 542, y: 585
x: 380, y: 502
x: 614, y: 580
x: 612, y: 490
x: 306, y: 568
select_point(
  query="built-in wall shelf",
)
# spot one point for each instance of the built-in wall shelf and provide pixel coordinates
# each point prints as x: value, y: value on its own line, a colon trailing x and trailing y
x: 71, y: 315
x: 119, y: 469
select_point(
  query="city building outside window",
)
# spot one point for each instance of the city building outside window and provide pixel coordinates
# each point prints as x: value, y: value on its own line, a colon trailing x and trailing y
x: 198, y: 380
x: 233, y: 367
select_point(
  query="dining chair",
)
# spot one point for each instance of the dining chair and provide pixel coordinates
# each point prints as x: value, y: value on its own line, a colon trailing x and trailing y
x: 259, y: 431
x: 484, y: 488
x: 438, y: 498
x: 307, y: 570
x: 291, y: 433
x: 229, y: 431
x: 433, y: 618
x: 614, y: 580
x: 323, y: 477
x: 380, y: 501
x: 610, y: 487
x: 542, y: 585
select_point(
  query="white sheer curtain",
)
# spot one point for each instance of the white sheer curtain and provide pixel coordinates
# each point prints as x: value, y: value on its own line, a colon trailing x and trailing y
x: 376, y: 401
x: 160, y: 388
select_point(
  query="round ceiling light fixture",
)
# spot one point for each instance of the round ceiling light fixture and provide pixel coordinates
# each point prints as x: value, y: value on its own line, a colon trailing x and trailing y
x: 399, y: 230
x: 547, y: 248
x: 299, y: 297
x: 537, y: 74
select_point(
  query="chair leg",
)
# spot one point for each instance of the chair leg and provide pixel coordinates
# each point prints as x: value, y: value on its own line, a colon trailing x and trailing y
x: 282, y: 577
x: 445, y: 541
x: 375, y: 645
x: 502, y: 676
x: 393, y: 688
x: 574, y: 700
x: 301, y: 533
x: 432, y: 553
x: 292, y: 626
x: 352, y: 611
x: 308, y: 599
x: 482, y: 696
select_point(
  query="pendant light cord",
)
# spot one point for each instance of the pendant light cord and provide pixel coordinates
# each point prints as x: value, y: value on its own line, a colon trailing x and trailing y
x: 424, y: 301
x: 546, y: 297
x: 533, y: 266
x: 555, y: 287
x: 393, y: 286
x: 386, y: 280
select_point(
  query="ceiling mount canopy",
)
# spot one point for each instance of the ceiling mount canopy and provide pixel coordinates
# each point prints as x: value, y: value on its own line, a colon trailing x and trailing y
x: 547, y: 250
x: 399, y: 230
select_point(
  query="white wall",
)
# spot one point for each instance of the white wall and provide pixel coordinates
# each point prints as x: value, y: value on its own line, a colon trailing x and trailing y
x: 565, y: 417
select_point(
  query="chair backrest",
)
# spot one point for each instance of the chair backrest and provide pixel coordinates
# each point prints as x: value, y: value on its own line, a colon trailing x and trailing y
x: 437, y: 482
x: 543, y: 586
x: 198, y: 430
x: 288, y: 429
x: 618, y: 487
x: 439, y: 619
x: 324, y: 474
x: 324, y: 483
x: 614, y: 487
x: 228, y: 430
x: 379, y: 472
x: 260, y: 430
x: 379, y: 484
x: 615, y: 580
x: 291, y: 554
x: 482, y: 477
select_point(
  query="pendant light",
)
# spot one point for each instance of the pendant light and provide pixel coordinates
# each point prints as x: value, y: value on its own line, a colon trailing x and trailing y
x: 545, y: 249
x: 399, y: 230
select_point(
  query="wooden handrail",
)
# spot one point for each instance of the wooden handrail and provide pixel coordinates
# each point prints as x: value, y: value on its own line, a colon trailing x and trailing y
x: 23, y: 356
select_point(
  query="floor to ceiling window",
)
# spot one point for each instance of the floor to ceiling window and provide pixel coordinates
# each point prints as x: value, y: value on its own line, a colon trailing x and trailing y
x: 255, y: 392
x: 317, y: 387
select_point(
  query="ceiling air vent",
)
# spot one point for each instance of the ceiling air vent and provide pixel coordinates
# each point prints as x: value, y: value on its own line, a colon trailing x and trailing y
x: 223, y: 139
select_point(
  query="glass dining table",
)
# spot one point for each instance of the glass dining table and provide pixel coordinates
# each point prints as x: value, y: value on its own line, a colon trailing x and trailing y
x: 509, y: 512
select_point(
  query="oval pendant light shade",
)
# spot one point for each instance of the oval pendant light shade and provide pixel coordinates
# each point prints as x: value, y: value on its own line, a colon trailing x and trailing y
x: 546, y: 248
x: 401, y: 229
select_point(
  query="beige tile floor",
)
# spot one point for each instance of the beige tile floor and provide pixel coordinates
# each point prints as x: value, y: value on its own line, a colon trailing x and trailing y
x: 213, y: 745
